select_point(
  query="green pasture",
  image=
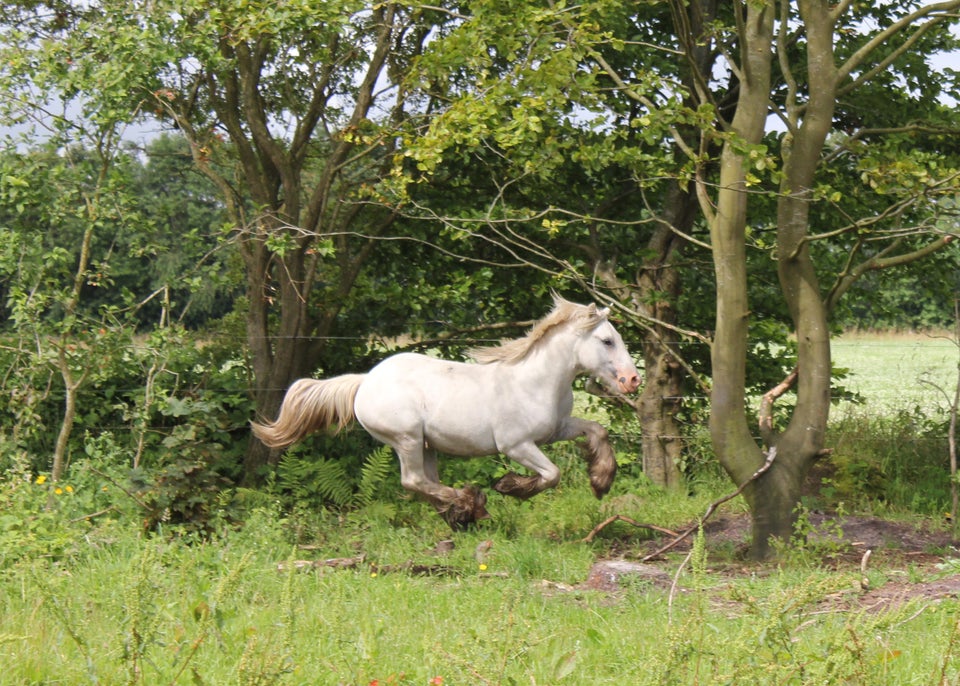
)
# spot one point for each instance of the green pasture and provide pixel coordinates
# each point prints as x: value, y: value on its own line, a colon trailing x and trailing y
x: 125, y: 608
x: 898, y: 372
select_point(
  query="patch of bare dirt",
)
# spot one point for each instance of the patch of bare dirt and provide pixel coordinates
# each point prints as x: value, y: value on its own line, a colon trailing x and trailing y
x: 847, y: 535
x: 909, y: 553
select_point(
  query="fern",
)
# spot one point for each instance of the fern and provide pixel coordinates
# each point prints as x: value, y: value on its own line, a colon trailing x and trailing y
x: 306, y: 479
x: 333, y: 481
x: 376, y: 468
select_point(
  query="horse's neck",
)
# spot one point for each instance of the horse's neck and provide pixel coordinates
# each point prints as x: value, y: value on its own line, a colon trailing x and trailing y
x: 552, y: 367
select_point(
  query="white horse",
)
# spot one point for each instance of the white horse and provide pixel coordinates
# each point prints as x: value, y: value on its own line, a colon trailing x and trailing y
x: 515, y: 400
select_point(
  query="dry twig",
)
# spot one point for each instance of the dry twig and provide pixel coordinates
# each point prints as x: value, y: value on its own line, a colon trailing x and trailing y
x: 620, y: 518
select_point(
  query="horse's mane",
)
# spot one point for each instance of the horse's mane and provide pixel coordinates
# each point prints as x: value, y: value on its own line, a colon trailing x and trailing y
x: 582, y: 317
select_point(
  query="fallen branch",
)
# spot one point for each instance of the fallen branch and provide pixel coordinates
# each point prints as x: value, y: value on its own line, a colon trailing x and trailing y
x: 128, y: 492
x: 334, y: 562
x: 93, y: 514
x: 771, y: 456
x: 620, y: 518
x: 355, y: 562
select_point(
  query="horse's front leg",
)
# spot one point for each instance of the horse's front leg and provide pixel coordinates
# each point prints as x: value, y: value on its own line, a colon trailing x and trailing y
x: 530, y: 456
x: 418, y: 473
x: 596, y: 448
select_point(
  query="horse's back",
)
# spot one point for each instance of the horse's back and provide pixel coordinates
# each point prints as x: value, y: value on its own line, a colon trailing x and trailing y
x: 414, y: 370
x: 439, y: 401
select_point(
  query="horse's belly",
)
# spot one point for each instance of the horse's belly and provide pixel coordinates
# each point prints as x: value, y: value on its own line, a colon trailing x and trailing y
x: 459, y: 440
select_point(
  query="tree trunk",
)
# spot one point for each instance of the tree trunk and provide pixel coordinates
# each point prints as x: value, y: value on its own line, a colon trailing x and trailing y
x: 775, y: 497
x: 732, y: 440
x: 658, y: 287
x: 661, y: 443
x: 281, y: 353
x: 72, y: 383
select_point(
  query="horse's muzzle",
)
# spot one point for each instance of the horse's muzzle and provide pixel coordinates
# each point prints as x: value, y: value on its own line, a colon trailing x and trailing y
x: 628, y: 383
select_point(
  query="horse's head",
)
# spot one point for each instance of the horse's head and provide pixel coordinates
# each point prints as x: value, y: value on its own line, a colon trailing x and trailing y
x: 602, y: 353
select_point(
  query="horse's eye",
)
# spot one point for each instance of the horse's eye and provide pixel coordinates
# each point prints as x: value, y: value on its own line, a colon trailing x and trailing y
x: 607, y: 342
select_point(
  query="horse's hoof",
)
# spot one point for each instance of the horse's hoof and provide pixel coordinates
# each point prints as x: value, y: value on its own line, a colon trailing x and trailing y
x: 518, y: 486
x: 465, y: 509
x: 602, y: 463
x: 600, y: 486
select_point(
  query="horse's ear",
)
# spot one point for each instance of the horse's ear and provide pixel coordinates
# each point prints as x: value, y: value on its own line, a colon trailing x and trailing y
x: 603, y: 312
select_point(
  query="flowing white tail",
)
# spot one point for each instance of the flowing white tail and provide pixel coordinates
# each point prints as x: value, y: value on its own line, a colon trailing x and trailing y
x: 311, y: 405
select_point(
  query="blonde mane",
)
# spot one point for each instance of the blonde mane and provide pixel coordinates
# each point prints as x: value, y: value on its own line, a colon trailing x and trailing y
x: 581, y: 317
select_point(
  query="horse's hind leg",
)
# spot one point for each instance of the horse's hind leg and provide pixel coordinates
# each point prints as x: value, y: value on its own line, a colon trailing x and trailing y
x: 418, y: 473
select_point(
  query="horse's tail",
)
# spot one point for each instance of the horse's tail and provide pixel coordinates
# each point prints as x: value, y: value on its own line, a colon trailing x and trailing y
x: 311, y: 405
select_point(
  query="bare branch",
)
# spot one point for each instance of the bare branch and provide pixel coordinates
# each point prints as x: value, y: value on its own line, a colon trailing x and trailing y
x: 771, y: 456
x: 881, y: 261
x: 766, y: 405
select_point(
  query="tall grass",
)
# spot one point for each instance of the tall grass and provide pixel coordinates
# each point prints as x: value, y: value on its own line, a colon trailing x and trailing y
x: 159, y: 610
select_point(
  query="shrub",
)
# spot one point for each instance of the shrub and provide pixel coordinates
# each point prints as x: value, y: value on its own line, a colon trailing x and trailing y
x: 897, y: 461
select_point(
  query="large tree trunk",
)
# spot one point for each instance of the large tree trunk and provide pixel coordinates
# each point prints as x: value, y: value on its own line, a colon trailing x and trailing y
x: 658, y: 285
x: 281, y: 357
x: 732, y: 440
x: 775, y: 497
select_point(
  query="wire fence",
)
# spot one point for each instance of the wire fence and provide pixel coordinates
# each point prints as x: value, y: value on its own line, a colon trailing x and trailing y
x: 893, y: 374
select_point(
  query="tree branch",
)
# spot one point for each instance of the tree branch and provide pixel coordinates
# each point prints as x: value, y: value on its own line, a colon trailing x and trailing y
x: 939, y: 12
x: 766, y: 406
x: 621, y: 518
x: 771, y: 456
x: 851, y: 275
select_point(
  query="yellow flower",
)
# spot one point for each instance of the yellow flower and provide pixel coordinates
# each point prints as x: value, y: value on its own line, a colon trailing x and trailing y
x: 41, y: 479
x: 58, y: 490
x: 483, y: 567
x: 68, y: 489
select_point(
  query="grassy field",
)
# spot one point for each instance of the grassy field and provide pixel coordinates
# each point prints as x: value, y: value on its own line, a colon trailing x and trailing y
x: 145, y: 610
x: 899, y: 372
x: 377, y: 596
